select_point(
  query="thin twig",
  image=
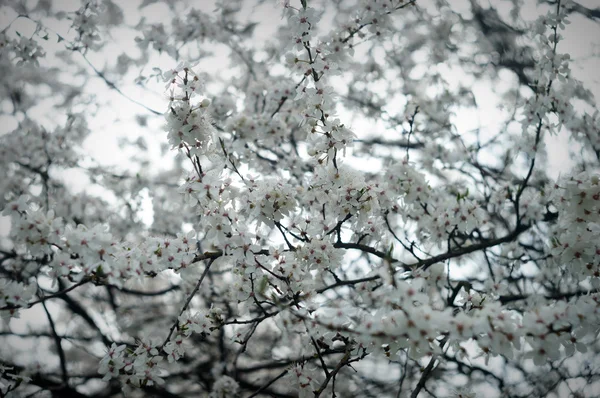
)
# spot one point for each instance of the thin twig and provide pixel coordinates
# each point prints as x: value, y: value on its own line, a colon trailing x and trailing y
x: 269, y: 383
x: 188, y: 301
x: 423, y: 379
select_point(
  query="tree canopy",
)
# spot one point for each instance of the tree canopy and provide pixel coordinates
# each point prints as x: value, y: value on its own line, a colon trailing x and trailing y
x: 303, y: 198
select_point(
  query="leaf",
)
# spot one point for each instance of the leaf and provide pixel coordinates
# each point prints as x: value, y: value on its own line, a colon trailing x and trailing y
x: 262, y: 286
x: 390, y: 251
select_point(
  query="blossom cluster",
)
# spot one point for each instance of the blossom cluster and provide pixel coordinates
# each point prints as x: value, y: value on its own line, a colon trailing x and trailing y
x: 85, y: 22
x: 574, y: 247
x: 24, y: 50
x: 296, y: 261
x: 82, y: 254
x: 412, y: 316
x: 139, y: 366
x: 188, y: 121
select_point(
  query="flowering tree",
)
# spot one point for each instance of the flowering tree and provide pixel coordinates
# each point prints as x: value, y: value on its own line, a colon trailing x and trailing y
x: 322, y: 223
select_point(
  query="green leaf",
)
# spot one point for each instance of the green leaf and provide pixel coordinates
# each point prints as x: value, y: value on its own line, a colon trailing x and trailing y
x: 262, y: 285
x: 390, y: 251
